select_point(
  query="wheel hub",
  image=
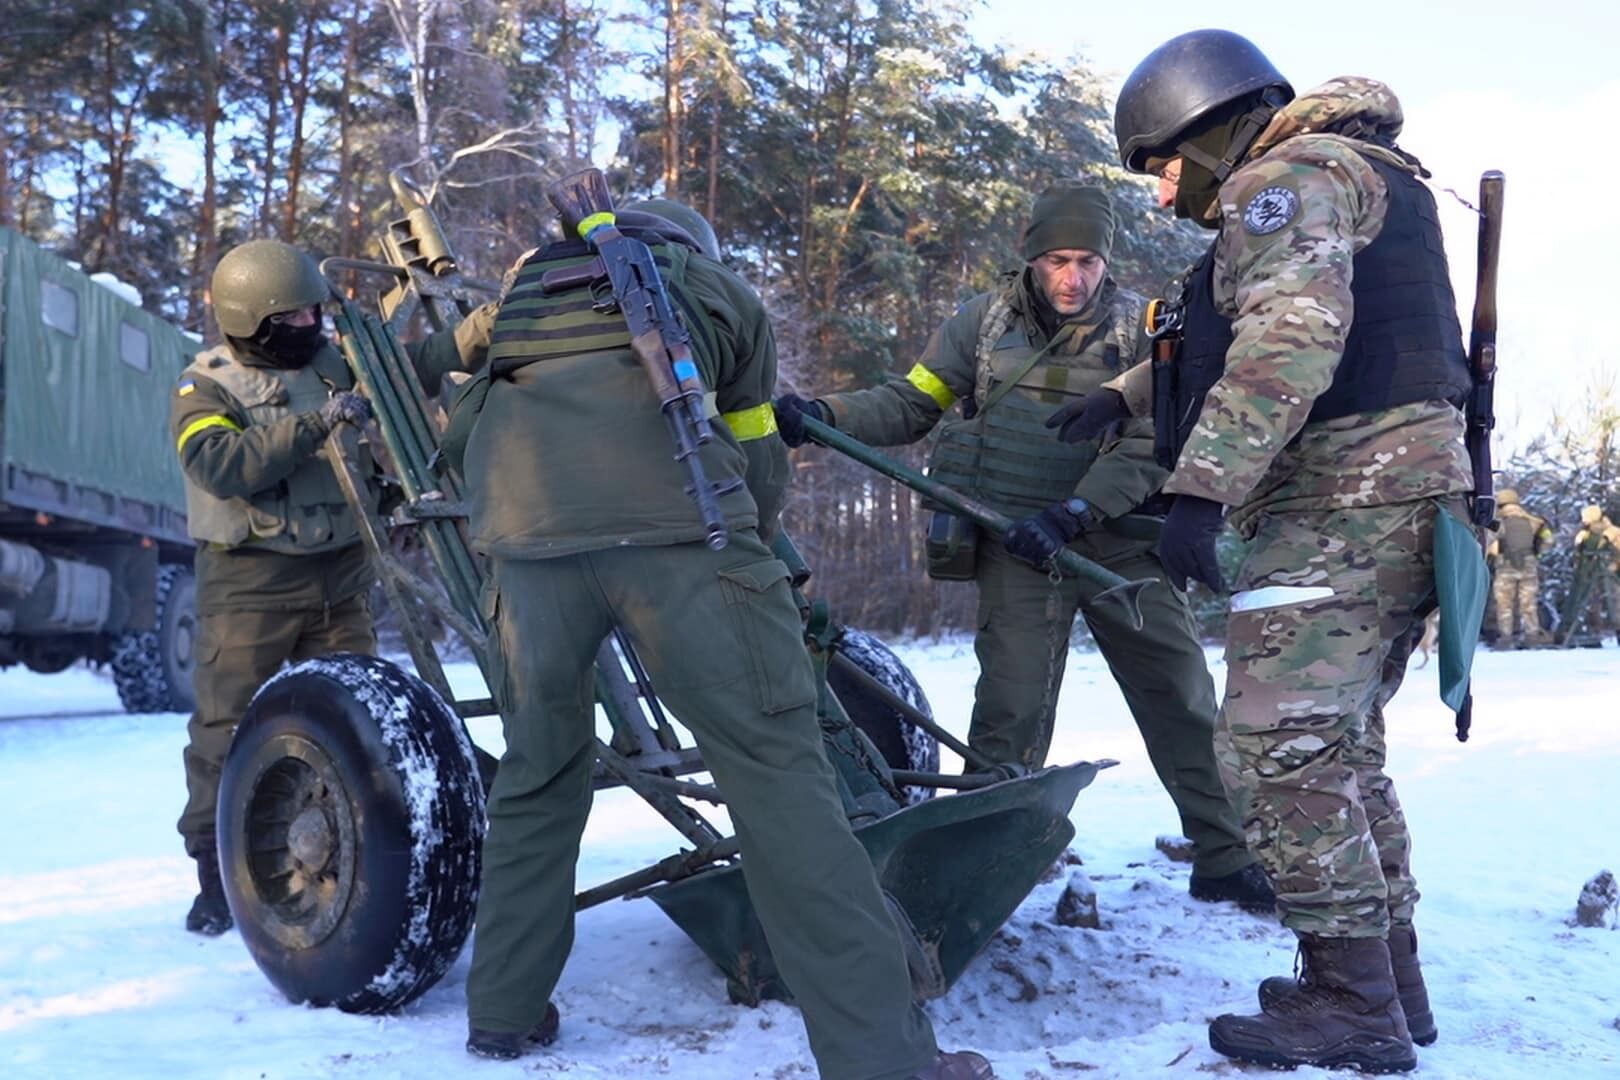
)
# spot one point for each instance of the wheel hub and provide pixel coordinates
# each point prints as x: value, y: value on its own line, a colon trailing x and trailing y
x: 309, y: 838
x: 301, y: 835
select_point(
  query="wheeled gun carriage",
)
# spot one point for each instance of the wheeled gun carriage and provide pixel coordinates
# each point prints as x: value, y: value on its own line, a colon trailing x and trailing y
x: 352, y: 801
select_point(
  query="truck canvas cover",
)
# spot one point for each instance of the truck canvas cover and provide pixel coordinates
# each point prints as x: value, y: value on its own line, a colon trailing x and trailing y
x: 86, y: 377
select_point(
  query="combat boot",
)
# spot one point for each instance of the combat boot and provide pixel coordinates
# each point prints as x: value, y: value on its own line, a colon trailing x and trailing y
x: 1403, y: 960
x: 507, y: 1045
x: 210, y: 914
x: 1345, y: 1013
x: 1248, y: 888
x: 957, y: 1065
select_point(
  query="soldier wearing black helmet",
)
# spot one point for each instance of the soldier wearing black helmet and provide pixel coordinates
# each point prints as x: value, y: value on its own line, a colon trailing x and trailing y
x: 281, y: 572
x: 1313, y: 405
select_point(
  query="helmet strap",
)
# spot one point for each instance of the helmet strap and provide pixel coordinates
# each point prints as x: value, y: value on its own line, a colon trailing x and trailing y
x: 1253, y: 122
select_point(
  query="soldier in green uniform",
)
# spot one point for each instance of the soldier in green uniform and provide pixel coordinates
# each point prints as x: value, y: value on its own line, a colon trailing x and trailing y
x: 1597, y: 564
x: 1053, y: 332
x: 1516, y: 580
x: 575, y: 497
x: 1317, y: 391
x: 281, y: 572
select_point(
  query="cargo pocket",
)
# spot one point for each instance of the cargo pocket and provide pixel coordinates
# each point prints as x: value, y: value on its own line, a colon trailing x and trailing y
x: 489, y: 605
x: 769, y: 635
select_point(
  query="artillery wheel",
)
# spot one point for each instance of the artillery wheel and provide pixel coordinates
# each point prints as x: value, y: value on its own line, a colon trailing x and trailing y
x: 903, y: 745
x: 350, y: 820
x: 152, y: 668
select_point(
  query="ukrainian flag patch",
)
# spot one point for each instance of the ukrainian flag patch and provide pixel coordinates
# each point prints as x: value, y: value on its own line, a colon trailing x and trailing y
x: 186, y: 387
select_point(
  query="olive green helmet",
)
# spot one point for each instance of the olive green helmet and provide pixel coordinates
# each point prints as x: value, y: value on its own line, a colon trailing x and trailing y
x: 679, y: 214
x: 1507, y: 497
x: 262, y: 278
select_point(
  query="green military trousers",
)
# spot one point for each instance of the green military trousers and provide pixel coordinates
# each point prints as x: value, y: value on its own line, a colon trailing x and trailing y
x: 1301, y: 737
x: 1022, y: 645
x: 236, y: 653
x: 721, y: 638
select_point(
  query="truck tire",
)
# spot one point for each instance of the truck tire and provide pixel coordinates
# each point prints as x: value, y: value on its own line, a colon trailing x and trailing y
x: 350, y: 820
x: 902, y: 744
x: 152, y: 668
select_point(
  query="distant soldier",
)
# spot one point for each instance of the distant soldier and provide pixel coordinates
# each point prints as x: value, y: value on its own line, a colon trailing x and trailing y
x: 1514, y: 553
x: 584, y: 514
x: 281, y: 572
x: 1597, y: 553
x: 1315, y: 397
x: 1054, y: 331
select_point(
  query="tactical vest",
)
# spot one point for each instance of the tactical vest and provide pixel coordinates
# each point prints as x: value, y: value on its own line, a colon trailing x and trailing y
x: 1405, y: 344
x: 1002, y: 452
x: 304, y: 513
x: 1518, y: 537
x: 533, y: 326
x: 570, y: 450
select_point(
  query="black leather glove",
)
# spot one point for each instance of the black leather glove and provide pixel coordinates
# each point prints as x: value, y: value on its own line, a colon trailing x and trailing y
x: 790, y: 411
x: 1187, y: 543
x: 345, y: 408
x: 1037, y: 539
x: 1089, y: 417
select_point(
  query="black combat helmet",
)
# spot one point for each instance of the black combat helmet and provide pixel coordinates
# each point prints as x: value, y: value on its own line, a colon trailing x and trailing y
x: 1181, y: 82
x: 691, y: 225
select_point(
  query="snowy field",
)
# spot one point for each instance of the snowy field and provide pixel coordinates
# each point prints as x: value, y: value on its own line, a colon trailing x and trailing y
x: 98, y: 978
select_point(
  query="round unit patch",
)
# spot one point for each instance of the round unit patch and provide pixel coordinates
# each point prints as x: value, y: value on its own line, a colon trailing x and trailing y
x: 1270, y: 210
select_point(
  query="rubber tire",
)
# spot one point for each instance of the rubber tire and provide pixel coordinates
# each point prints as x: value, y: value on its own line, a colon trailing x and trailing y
x: 389, y: 756
x: 152, y: 668
x: 902, y: 744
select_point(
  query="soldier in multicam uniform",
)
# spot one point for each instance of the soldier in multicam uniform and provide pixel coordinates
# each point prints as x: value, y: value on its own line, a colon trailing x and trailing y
x: 1516, y: 587
x: 281, y: 572
x: 1053, y: 331
x: 1316, y: 401
x: 1599, y: 541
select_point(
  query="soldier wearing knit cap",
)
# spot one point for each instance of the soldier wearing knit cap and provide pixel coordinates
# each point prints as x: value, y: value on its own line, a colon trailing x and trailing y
x: 1054, y: 331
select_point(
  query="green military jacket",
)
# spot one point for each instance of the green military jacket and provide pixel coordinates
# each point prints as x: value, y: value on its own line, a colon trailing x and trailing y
x: 1003, y: 453
x: 570, y: 452
x: 248, y: 436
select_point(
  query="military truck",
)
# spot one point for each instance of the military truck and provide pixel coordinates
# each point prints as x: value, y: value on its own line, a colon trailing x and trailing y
x: 95, y: 562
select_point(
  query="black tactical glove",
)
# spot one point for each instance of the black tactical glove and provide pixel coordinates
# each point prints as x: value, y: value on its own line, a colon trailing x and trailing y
x: 345, y: 408
x: 1089, y: 417
x: 1037, y: 539
x: 791, y: 409
x: 1187, y: 542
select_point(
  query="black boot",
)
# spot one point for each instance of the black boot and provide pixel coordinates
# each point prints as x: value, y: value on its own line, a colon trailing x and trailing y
x: 1248, y: 888
x: 957, y: 1065
x: 1345, y: 1013
x: 209, y: 914
x: 506, y: 1045
x: 1403, y: 961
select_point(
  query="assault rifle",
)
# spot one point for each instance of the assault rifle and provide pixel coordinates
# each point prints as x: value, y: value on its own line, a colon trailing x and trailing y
x: 660, y: 341
x: 1480, y: 411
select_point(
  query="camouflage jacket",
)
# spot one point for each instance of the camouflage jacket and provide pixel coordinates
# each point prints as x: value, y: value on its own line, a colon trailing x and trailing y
x: 1287, y: 290
x: 1602, y: 540
x: 959, y: 363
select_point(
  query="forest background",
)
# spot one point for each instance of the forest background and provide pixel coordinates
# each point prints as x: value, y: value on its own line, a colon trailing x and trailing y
x: 867, y: 165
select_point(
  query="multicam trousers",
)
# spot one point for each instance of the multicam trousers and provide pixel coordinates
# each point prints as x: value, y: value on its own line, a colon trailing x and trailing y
x: 1301, y: 733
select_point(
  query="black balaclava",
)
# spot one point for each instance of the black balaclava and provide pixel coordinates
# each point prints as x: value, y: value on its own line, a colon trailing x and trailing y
x: 283, y: 345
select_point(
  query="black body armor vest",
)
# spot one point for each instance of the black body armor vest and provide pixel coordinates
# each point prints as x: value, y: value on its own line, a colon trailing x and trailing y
x: 1405, y: 343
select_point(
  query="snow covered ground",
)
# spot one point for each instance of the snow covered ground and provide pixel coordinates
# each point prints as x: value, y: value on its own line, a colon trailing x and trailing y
x: 98, y: 978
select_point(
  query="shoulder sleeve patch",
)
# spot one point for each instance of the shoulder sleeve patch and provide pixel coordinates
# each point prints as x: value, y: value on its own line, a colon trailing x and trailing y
x: 1271, y: 209
x: 186, y: 386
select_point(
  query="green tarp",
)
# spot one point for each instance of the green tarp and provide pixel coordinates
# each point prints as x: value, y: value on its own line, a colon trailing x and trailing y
x: 79, y: 410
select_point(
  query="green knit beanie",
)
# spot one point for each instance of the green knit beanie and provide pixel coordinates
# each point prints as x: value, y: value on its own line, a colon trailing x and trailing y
x: 1070, y: 214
